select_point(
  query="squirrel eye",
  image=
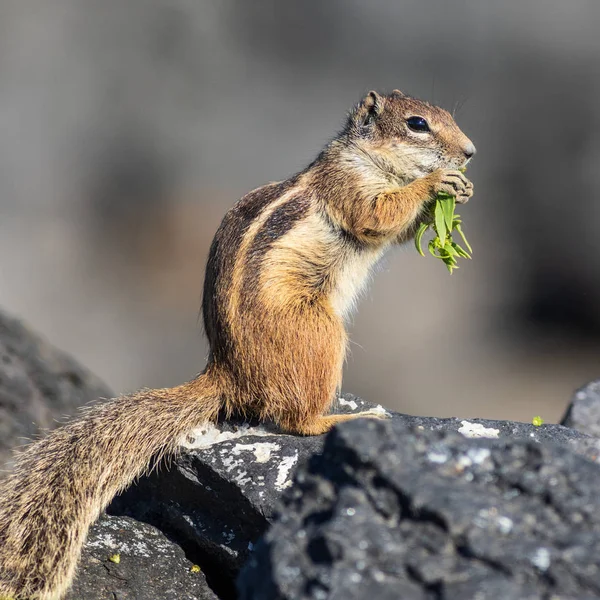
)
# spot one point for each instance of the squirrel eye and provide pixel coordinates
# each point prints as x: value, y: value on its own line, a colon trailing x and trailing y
x: 417, y: 124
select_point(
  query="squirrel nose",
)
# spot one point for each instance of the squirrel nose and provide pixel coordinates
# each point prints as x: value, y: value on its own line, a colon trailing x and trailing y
x: 469, y: 150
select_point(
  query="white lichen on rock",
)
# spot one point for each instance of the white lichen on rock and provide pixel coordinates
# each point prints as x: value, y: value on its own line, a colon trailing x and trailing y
x: 147, y: 540
x: 350, y: 403
x: 262, y: 450
x: 541, y: 559
x: 283, y: 471
x: 209, y: 434
x: 476, y: 430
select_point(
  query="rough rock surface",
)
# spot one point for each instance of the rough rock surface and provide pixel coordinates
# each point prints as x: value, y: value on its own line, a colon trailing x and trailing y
x: 149, y: 566
x: 404, y: 507
x: 388, y: 512
x: 583, y: 413
x: 219, y: 495
x: 217, y: 501
x: 38, y: 385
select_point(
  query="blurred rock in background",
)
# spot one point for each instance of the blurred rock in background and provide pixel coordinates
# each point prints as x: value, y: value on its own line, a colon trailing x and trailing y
x: 128, y: 129
x: 39, y: 386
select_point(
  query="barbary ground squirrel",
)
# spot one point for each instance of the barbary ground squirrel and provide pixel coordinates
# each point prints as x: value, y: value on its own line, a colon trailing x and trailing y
x: 283, y: 273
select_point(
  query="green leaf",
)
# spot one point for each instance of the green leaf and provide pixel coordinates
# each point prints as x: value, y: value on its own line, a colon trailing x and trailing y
x: 423, y: 227
x: 448, y: 210
x: 460, y: 251
x: 432, y: 247
x: 450, y: 259
x: 440, y: 223
x: 443, y: 196
x: 450, y: 265
x: 449, y: 248
x: 464, y: 239
x: 443, y: 221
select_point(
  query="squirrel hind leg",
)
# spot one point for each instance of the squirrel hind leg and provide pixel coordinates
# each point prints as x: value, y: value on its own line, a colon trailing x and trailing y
x: 322, y: 424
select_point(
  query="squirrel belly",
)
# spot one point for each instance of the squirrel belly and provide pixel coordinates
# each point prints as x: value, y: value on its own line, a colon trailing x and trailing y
x: 284, y: 271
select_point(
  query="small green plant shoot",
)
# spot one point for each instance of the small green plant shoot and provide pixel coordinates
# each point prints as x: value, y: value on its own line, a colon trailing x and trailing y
x: 443, y: 221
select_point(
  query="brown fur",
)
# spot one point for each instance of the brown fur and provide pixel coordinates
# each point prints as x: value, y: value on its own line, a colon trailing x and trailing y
x: 283, y: 273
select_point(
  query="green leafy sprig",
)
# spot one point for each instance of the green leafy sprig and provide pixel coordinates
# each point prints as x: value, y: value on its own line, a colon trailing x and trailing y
x: 443, y: 221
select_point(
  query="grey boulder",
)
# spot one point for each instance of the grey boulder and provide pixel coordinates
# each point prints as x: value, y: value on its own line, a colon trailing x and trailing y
x: 38, y: 385
x: 127, y: 560
x: 217, y: 500
x: 583, y: 413
x: 388, y: 511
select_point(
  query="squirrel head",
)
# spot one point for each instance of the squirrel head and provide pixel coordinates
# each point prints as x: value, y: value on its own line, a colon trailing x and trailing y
x: 406, y: 137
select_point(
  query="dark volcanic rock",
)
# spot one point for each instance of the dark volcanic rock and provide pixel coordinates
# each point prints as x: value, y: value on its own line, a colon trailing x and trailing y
x: 583, y: 413
x: 216, y: 501
x: 579, y: 442
x: 389, y: 512
x: 404, y: 507
x: 38, y: 385
x: 149, y: 567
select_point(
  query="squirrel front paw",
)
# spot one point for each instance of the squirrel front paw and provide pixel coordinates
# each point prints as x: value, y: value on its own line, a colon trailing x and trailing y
x: 450, y: 181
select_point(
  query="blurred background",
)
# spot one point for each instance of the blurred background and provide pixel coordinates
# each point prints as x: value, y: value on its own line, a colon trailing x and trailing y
x: 129, y: 128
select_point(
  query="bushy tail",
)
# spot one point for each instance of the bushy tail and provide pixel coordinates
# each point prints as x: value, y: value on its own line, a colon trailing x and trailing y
x: 61, y: 483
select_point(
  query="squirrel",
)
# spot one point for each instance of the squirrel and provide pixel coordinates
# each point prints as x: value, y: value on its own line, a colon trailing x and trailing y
x: 283, y: 273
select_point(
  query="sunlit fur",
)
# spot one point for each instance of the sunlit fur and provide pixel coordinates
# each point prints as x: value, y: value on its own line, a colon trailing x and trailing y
x: 283, y: 274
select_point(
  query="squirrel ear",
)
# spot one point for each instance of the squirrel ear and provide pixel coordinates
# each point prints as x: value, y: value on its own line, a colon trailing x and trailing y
x: 370, y: 106
x: 366, y: 110
x: 373, y: 102
x: 398, y: 93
